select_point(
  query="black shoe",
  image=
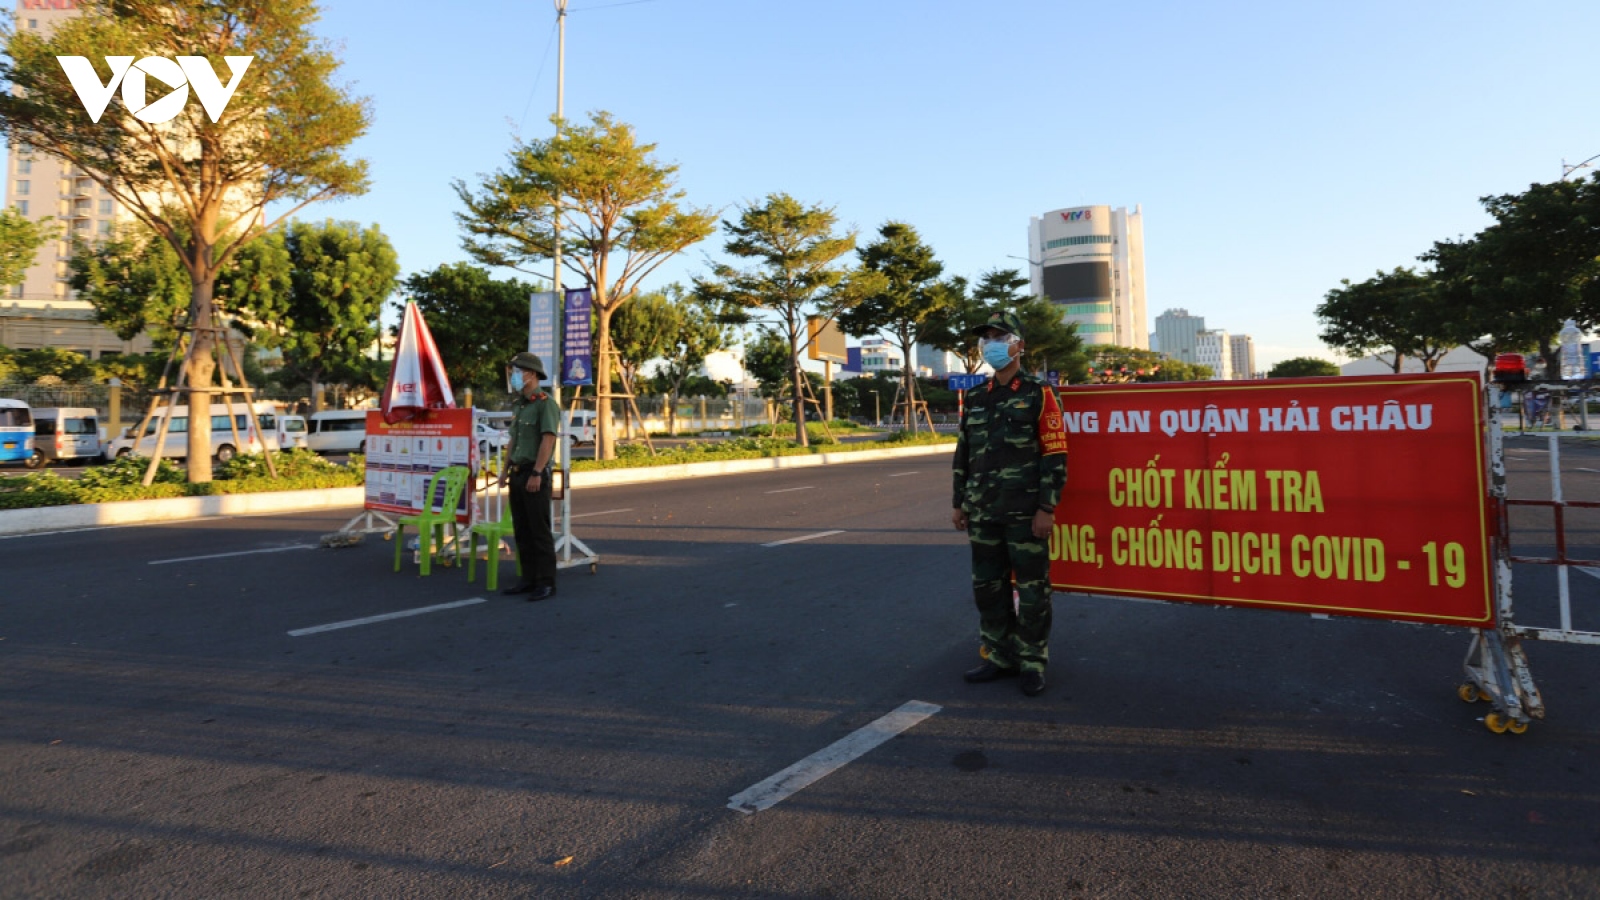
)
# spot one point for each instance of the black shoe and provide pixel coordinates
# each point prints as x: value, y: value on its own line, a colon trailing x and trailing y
x: 543, y: 592
x: 988, y: 671
x: 522, y: 587
x: 1033, y: 683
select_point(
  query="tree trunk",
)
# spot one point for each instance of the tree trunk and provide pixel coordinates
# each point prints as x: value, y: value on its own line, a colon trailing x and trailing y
x: 605, y: 446
x: 799, y: 397
x: 201, y: 365
x: 907, y: 344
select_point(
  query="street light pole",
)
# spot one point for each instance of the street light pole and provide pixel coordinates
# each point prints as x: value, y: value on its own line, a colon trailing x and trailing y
x: 1568, y: 170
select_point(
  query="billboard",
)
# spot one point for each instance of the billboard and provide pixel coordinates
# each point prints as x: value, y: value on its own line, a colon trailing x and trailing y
x: 1349, y: 496
x: 825, y: 341
x: 402, y: 458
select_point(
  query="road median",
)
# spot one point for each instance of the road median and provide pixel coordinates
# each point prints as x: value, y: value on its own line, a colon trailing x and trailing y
x: 133, y: 512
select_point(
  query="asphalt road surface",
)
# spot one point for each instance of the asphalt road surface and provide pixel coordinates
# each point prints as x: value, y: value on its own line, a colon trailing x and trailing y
x: 175, y: 721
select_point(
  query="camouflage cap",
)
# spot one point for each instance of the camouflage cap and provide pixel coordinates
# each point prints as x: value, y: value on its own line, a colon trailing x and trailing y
x: 529, y: 361
x: 1005, y: 320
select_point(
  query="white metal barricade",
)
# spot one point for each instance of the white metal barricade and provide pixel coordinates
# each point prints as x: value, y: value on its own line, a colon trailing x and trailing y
x: 1496, y: 666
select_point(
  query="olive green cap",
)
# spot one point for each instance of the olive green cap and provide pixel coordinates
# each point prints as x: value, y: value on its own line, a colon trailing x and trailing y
x: 530, y: 362
x: 1005, y: 320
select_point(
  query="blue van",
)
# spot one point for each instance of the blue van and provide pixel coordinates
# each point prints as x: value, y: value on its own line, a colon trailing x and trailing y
x: 16, y: 434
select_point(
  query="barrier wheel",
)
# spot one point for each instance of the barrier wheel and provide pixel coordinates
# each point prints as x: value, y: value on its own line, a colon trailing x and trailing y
x: 1516, y: 727
x: 594, y: 568
x: 1468, y: 693
x: 1496, y: 723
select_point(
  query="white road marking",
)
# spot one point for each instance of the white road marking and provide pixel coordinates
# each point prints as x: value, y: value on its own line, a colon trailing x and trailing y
x: 351, y: 623
x: 604, y: 512
x: 1588, y: 570
x: 162, y: 562
x: 808, y: 771
x: 787, y: 490
x: 809, y: 537
x: 898, y: 474
x: 1582, y: 469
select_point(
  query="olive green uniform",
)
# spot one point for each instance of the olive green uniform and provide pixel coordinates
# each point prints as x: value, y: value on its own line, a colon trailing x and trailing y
x: 1010, y: 463
x: 530, y: 510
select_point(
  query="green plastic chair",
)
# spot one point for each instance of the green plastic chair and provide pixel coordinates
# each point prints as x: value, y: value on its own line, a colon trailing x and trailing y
x: 493, y: 533
x: 430, y: 525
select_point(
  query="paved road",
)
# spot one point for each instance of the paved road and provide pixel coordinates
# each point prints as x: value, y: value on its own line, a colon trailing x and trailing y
x: 165, y: 732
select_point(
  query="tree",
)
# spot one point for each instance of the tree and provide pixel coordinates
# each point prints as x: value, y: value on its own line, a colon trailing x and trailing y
x: 1515, y: 283
x: 478, y: 322
x: 340, y: 277
x: 46, y: 365
x: 689, y: 329
x: 20, y: 240
x: 644, y: 329
x: 1400, y: 312
x: 136, y: 282
x: 906, y: 300
x: 205, y: 179
x: 1303, y: 367
x: 606, y: 196
x: 1050, y: 343
x: 795, y: 275
x: 769, y: 360
x: 1121, y: 364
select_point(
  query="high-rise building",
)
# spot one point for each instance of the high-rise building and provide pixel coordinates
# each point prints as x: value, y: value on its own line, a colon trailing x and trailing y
x: 1213, y: 350
x: 1177, y: 333
x: 1089, y: 260
x: 41, y: 310
x: 1244, y: 357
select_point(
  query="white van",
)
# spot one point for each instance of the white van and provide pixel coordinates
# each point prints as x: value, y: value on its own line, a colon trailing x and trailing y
x: 337, y: 431
x: 61, y: 432
x: 222, y: 440
x: 293, y: 432
x: 580, y: 425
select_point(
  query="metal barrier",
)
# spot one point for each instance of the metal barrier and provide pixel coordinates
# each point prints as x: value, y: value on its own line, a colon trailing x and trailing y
x: 1496, y: 665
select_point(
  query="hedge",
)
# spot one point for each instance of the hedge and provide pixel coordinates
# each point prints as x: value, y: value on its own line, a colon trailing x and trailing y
x: 121, y: 480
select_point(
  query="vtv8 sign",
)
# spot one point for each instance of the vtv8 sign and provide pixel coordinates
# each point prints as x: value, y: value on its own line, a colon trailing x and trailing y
x: 179, y: 75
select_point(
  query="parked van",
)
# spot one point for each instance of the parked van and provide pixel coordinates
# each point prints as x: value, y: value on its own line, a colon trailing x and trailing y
x: 16, y: 435
x: 338, y: 431
x: 293, y: 432
x: 222, y: 440
x: 580, y: 425
x: 63, y: 432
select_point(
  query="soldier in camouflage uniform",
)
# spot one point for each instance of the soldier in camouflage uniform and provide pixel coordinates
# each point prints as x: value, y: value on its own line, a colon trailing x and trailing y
x: 1010, y: 467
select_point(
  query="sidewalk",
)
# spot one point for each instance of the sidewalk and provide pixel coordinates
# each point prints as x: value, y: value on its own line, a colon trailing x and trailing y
x: 132, y: 512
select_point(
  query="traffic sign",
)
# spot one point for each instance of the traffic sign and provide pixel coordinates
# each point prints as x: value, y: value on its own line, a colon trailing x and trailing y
x: 966, y: 382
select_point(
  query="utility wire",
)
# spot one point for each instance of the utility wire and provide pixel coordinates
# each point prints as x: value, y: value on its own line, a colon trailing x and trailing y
x: 537, y: 77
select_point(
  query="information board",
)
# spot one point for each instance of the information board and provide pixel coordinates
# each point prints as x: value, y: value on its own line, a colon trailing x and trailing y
x: 1362, y: 496
x: 402, y: 459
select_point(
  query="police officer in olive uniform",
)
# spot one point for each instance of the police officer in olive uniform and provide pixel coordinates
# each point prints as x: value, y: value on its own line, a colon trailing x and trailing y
x: 1010, y: 466
x: 535, y: 428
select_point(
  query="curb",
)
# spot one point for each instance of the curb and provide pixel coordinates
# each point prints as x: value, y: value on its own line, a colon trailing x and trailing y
x: 173, y: 509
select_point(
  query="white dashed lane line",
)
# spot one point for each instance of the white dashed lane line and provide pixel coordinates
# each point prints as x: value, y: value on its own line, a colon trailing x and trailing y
x: 789, y: 490
x: 352, y: 623
x: 901, y: 474
x: 162, y: 562
x: 824, y: 762
x: 808, y: 537
x: 603, y: 512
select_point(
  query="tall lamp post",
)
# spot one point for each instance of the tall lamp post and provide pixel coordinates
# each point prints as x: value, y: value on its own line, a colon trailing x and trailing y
x: 1568, y: 170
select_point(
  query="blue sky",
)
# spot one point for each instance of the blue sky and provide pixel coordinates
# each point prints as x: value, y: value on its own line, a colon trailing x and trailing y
x: 1275, y: 147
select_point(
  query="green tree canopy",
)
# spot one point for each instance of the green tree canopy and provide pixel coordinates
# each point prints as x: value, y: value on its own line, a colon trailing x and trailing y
x: 681, y: 330
x: 1134, y: 364
x: 904, y: 299
x: 795, y: 273
x: 1050, y: 344
x: 767, y: 359
x: 204, y: 184
x: 1514, y: 284
x: 20, y: 240
x: 611, y: 207
x: 1400, y: 313
x: 478, y: 322
x: 340, y: 276
x: 1303, y: 367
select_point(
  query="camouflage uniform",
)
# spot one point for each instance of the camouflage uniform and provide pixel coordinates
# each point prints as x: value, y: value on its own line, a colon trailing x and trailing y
x: 1010, y: 462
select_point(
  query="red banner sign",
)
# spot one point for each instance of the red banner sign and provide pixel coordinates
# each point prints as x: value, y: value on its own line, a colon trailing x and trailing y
x: 1352, y: 496
x: 402, y: 459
